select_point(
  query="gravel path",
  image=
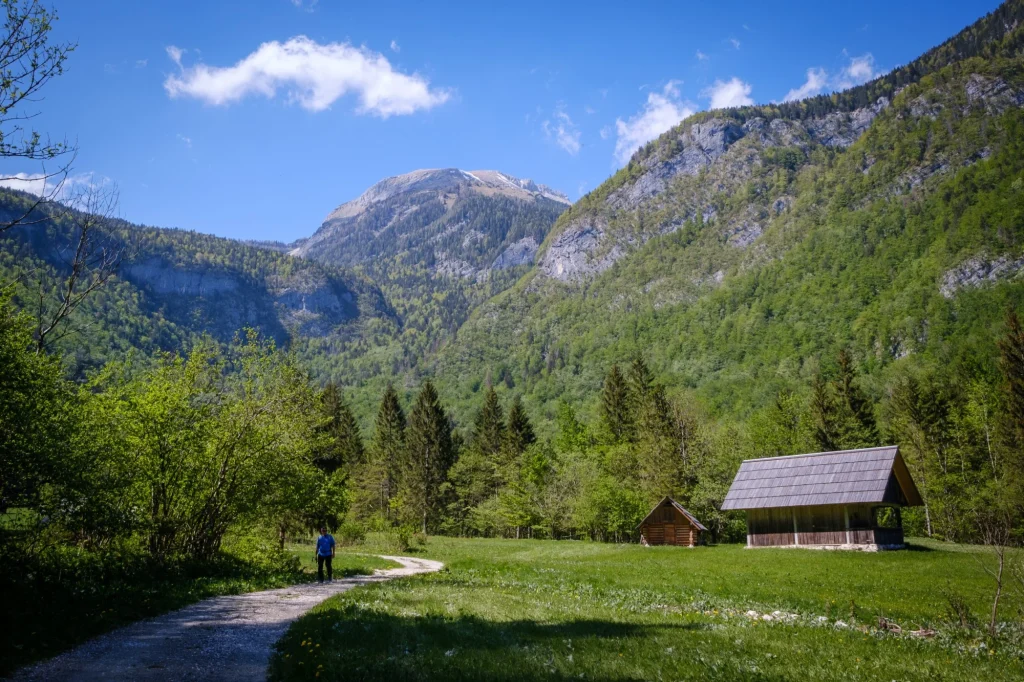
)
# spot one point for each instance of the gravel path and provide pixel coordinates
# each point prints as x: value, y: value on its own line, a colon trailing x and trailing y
x: 224, y: 638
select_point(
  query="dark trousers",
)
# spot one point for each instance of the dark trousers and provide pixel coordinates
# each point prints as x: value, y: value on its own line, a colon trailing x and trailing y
x: 320, y: 561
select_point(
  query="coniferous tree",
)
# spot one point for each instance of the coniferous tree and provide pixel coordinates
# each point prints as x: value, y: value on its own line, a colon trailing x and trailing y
x: 859, y: 429
x: 429, y: 454
x: 658, y: 444
x: 641, y: 387
x: 519, y: 433
x: 616, y: 416
x: 489, y: 429
x: 1011, y: 364
x: 378, y: 477
x: 825, y: 414
x: 344, y: 447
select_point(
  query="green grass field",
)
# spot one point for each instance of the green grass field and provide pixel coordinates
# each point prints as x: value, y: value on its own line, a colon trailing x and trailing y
x: 507, y: 610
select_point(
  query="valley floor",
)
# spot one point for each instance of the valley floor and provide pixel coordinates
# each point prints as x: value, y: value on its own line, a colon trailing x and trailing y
x: 510, y: 610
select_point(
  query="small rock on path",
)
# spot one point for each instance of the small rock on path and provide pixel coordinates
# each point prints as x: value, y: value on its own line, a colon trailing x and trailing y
x: 224, y: 638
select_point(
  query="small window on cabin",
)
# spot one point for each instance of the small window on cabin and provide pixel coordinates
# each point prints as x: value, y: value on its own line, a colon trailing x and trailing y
x: 666, y: 515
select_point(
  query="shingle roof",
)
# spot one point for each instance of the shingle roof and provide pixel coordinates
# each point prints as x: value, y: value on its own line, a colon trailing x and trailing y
x: 841, y: 477
x: 682, y: 510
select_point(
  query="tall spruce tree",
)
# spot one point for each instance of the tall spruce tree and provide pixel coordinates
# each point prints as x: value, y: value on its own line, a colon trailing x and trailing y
x: 489, y: 429
x: 378, y: 477
x: 519, y: 433
x: 658, y: 455
x: 859, y: 429
x: 616, y: 416
x: 825, y: 414
x: 641, y: 388
x: 344, y: 443
x: 1011, y: 364
x: 429, y: 454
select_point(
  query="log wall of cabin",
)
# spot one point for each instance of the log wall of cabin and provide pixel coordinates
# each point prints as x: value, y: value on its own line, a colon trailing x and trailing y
x: 676, y: 531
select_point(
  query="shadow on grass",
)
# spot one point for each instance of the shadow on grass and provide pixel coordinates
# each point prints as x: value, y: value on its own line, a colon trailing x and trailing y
x: 349, y: 643
x: 61, y: 598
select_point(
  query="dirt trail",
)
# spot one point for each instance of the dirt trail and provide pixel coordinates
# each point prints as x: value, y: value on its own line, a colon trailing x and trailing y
x: 224, y: 638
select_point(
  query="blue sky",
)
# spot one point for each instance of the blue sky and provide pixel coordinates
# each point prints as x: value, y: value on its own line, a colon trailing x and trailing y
x: 254, y: 119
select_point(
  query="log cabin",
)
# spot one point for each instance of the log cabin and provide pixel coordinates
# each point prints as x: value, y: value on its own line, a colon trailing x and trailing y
x: 848, y: 499
x: 670, y: 524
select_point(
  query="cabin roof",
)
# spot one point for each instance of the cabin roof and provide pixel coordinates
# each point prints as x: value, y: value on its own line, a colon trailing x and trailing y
x: 869, y: 475
x: 690, y: 517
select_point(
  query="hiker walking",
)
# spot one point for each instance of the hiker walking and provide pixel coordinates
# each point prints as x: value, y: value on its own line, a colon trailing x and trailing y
x: 324, y: 555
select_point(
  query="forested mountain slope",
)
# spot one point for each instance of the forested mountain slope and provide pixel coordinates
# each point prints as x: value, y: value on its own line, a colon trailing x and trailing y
x: 171, y: 286
x: 743, y: 248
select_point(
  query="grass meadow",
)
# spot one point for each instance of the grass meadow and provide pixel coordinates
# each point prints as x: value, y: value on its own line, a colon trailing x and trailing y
x: 524, y: 610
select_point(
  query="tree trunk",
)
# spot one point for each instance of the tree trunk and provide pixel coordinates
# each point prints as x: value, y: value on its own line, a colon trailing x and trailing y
x: 999, y: 592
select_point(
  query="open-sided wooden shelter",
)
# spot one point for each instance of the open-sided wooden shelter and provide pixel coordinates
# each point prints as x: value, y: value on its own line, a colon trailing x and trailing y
x: 849, y: 499
x: 670, y: 524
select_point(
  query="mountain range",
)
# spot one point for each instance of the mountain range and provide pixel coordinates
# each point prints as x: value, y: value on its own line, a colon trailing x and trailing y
x: 739, y: 251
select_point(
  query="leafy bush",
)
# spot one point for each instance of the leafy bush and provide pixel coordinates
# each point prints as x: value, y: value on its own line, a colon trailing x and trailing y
x: 350, y: 533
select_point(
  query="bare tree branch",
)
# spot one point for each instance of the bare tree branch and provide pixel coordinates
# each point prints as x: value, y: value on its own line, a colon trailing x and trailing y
x: 27, y: 63
x: 91, y: 258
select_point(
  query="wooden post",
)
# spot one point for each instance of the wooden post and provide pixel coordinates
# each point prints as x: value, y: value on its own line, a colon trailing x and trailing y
x: 846, y: 516
x: 796, y: 533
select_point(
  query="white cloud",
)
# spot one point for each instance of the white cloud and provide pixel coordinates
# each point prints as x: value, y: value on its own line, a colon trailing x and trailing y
x: 563, y: 131
x: 33, y: 183
x: 606, y: 132
x: 141, y: 63
x: 57, y: 187
x: 817, y: 80
x: 735, y: 43
x: 860, y: 70
x: 701, y: 57
x: 662, y: 111
x: 175, y: 53
x: 589, y: 110
x: 395, y: 47
x: 314, y: 75
x: 186, y: 140
x: 730, y: 93
x: 305, y: 5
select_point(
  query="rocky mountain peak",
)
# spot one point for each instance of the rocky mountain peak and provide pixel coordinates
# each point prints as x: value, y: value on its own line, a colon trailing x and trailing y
x: 446, y: 180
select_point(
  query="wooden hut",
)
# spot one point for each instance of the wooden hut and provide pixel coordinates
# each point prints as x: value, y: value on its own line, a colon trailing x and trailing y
x: 670, y: 524
x: 849, y: 499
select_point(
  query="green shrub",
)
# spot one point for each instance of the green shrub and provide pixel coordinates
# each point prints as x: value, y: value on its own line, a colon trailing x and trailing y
x: 350, y: 533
